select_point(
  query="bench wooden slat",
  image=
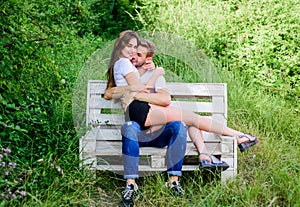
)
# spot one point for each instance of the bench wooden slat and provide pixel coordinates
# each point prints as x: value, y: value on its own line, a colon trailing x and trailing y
x: 118, y: 119
x: 100, y: 103
x: 192, y: 89
x: 143, y: 168
x: 176, y: 89
x: 206, y: 107
x: 96, y: 86
x: 114, y: 119
x: 115, y: 148
x: 114, y: 134
x: 148, y: 170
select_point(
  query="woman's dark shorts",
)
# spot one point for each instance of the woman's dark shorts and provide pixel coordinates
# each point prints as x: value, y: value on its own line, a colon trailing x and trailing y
x: 138, y: 111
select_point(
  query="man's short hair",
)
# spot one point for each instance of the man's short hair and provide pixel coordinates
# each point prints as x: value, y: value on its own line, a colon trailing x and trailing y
x: 149, y: 45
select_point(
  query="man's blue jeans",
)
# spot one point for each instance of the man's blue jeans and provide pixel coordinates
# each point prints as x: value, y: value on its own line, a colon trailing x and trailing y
x: 172, y: 135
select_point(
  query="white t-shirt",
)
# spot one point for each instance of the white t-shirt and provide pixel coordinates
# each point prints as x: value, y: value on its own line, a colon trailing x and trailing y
x: 160, y: 82
x: 121, y: 68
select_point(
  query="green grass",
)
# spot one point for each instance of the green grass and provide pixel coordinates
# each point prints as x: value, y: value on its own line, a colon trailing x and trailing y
x: 259, y: 103
x: 251, y: 45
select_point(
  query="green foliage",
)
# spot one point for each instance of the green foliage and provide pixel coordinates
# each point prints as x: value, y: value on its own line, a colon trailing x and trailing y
x: 44, y: 44
x: 9, y: 184
x: 243, y: 36
x: 107, y: 18
x: 30, y: 82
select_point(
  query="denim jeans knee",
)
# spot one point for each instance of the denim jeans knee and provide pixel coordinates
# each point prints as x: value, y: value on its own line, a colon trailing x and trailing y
x: 130, y: 127
x: 130, y: 148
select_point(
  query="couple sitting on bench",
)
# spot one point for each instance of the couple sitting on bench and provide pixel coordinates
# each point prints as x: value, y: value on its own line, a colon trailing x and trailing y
x: 151, y: 120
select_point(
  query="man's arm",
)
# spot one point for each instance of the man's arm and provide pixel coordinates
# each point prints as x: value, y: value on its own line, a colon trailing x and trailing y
x: 161, y: 97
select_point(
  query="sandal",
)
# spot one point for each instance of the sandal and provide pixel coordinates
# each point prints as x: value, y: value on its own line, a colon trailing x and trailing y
x: 214, y: 164
x: 252, y: 140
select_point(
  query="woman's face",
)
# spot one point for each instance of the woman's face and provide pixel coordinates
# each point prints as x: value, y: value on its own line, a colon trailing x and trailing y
x: 130, y: 48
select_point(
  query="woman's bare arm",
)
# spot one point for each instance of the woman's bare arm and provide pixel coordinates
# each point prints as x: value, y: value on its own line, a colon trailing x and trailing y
x: 119, y: 91
x: 132, y: 79
x: 116, y: 92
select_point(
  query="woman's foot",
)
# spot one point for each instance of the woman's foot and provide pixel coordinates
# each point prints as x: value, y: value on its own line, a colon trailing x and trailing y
x: 212, y: 163
x: 245, y: 141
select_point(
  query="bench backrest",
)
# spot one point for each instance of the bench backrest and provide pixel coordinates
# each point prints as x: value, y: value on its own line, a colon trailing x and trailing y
x: 207, y: 99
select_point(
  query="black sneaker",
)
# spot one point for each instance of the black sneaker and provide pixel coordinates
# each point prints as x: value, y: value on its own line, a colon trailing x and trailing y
x: 175, y: 188
x: 128, y: 195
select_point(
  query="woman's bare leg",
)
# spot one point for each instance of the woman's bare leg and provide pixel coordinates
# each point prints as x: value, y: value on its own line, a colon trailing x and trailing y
x: 196, y: 136
x: 197, y: 139
x: 161, y: 115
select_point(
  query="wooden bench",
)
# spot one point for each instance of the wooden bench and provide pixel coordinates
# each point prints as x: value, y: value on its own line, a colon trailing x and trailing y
x: 100, y: 148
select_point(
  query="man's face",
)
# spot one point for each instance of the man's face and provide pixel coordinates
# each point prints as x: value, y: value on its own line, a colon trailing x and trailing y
x: 141, y: 56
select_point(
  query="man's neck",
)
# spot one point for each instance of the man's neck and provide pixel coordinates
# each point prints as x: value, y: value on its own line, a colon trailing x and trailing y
x: 141, y: 70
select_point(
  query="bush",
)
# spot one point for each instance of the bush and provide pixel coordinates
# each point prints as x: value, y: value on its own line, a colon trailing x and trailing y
x: 261, y: 39
x: 107, y: 18
x: 41, y: 56
x: 30, y: 81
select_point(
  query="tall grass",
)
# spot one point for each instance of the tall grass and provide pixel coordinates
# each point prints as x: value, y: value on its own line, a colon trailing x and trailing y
x: 259, y: 38
x: 268, y: 175
x: 243, y: 40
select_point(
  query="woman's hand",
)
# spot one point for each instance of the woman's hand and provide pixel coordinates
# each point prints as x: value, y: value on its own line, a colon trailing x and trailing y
x: 127, y: 98
x: 149, y: 65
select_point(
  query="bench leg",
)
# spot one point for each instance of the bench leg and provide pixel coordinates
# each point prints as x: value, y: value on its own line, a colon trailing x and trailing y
x: 229, y: 155
x: 87, y: 150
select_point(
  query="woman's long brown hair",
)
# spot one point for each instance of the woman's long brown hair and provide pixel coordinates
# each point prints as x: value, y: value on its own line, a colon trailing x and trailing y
x: 121, y: 41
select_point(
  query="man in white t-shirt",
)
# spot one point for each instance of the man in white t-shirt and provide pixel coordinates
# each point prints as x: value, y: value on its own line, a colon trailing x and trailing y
x: 173, y: 135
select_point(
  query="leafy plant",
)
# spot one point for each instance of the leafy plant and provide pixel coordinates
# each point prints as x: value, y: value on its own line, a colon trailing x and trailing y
x: 244, y: 36
x: 109, y: 18
x: 9, y: 186
x: 45, y: 44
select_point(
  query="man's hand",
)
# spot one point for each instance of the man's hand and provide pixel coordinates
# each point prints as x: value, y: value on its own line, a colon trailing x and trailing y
x: 159, y: 71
